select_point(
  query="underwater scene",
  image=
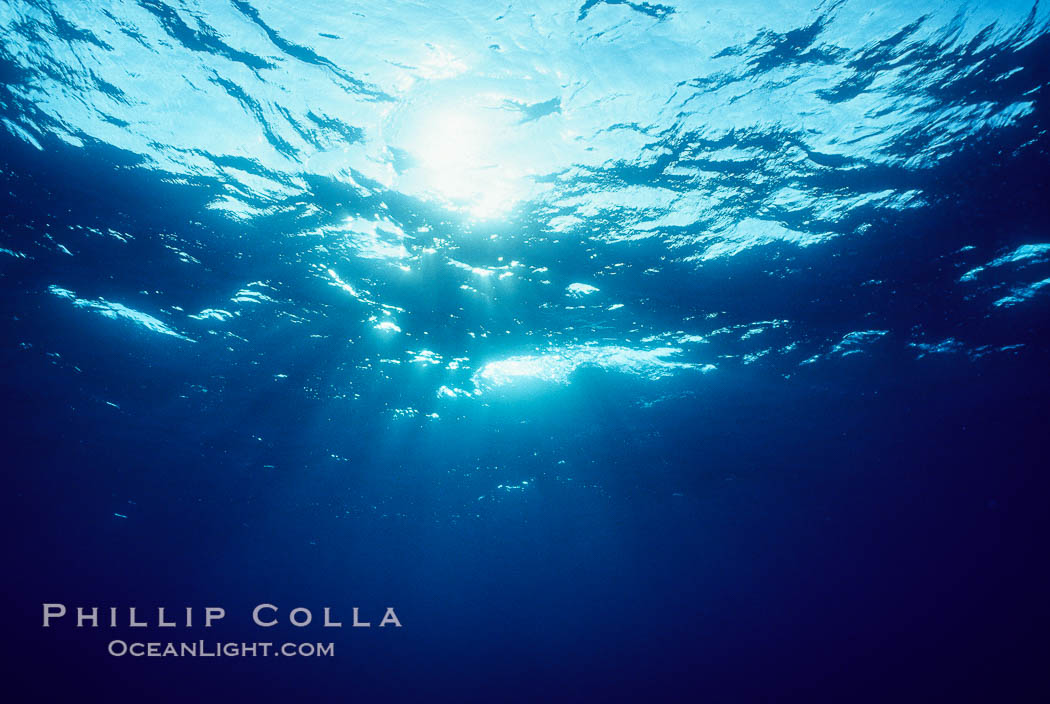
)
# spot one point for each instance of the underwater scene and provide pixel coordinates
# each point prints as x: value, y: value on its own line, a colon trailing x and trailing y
x: 586, y: 351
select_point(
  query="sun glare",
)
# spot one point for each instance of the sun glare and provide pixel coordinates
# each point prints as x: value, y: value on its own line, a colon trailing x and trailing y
x: 466, y: 151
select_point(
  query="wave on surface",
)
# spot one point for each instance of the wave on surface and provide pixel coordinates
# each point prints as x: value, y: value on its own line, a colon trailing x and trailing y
x: 455, y: 200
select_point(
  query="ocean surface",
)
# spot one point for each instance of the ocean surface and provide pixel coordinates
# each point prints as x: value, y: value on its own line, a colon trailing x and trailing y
x: 632, y: 351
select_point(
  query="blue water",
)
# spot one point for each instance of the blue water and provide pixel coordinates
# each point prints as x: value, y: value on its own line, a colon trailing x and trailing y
x: 632, y: 351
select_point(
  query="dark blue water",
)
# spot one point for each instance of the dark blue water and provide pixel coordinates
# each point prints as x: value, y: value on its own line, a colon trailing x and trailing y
x: 631, y: 351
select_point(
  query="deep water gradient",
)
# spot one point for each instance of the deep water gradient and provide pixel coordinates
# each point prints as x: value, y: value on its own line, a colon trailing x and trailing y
x: 632, y: 351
